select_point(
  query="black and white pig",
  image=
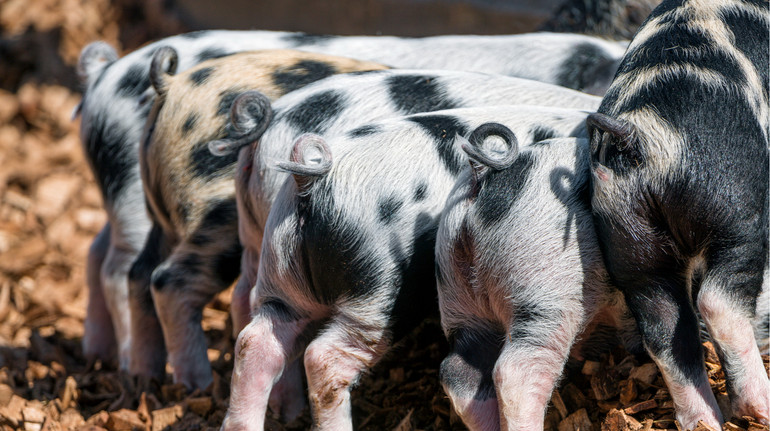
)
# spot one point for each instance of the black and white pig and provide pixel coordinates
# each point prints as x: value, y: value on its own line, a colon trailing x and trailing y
x: 680, y: 194
x: 520, y: 276
x: 193, y: 252
x: 117, y: 100
x: 347, y: 263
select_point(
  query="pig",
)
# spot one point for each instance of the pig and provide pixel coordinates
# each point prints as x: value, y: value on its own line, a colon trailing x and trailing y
x: 679, y: 162
x: 193, y: 252
x: 118, y: 97
x: 520, y: 276
x: 347, y: 255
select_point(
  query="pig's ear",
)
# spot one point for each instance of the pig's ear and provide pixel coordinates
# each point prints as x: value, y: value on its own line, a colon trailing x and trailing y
x: 622, y: 133
x: 310, y: 158
x: 250, y: 115
x: 164, y: 63
x: 93, y: 58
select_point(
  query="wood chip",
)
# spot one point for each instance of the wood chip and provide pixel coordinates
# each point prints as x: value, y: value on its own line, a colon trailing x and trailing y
x: 125, y: 419
x: 646, y: 373
x: 591, y: 367
x: 617, y: 420
x: 406, y: 422
x: 163, y: 418
x: 199, y: 405
x: 627, y: 391
x: 640, y: 407
x: 577, y: 421
x: 604, y: 385
x: 558, y: 403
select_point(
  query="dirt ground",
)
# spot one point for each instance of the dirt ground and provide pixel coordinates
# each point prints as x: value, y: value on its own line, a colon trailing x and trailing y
x: 50, y: 209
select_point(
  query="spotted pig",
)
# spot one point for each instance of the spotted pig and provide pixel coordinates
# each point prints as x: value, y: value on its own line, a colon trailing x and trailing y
x: 520, y: 276
x: 680, y: 195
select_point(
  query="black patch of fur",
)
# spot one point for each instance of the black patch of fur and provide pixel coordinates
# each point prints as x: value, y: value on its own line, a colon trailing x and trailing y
x: 351, y: 271
x: 278, y: 309
x: 200, y: 76
x: 500, y: 189
x: 312, y: 115
x: 588, y: 65
x: 112, y: 159
x: 226, y: 99
x: 541, y: 133
x: 211, y: 53
x: 189, y: 123
x: 219, y: 213
x: 300, y: 39
x: 301, y: 74
x: 387, y: 209
x: 420, y: 192
x: 366, y: 130
x: 418, y: 93
x: 134, y: 82
x: 467, y: 370
x: 444, y: 129
x: 206, y: 165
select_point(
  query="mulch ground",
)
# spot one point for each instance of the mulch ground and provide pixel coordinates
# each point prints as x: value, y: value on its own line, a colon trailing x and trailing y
x: 50, y: 209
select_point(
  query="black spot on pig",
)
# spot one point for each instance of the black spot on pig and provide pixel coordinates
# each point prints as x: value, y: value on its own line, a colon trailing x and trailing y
x: 467, y: 370
x: 388, y: 208
x: 113, y: 162
x: 444, y: 129
x: 208, y: 166
x: 420, y: 192
x: 195, y: 34
x: 278, y: 309
x: 416, y: 93
x: 526, y: 318
x: 299, y: 39
x: 367, y: 130
x: 212, y: 53
x: 219, y: 213
x: 226, y: 99
x: 200, y: 76
x: 500, y: 189
x: 541, y: 133
x: 334, y: 272
x: 313, y: 115
x: 189, y: 123
x: 587, y: 66
x: 301, y: 74
x: 134, y: 82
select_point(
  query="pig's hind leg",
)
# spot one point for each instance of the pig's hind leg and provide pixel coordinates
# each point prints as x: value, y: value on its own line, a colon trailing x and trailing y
x: 466, y: 375
x: 354, y: 340
x: 263, y: 353
x: 99, y: 337
x: 726, y: 302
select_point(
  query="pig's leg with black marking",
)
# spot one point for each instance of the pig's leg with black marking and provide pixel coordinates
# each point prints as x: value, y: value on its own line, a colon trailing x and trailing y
x: 193, y: 274
x: 262, y: 354
x: 669, y: 331
x: 99, y: 336
x: 466, y: 375
x: 532, y: 360
x: 148, y: 352
x: 734, y: 277
x: 353, y: 341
